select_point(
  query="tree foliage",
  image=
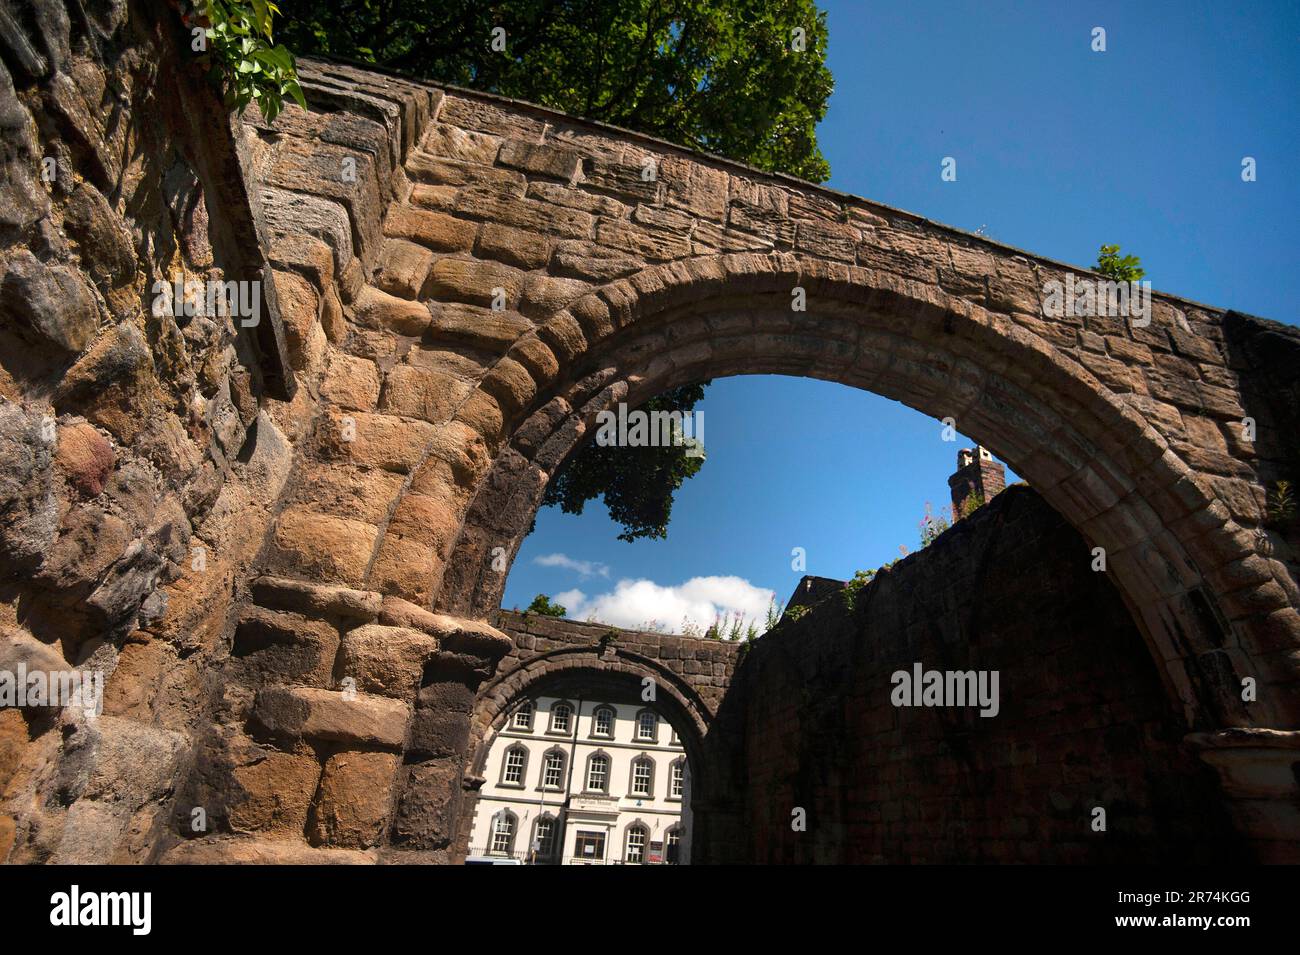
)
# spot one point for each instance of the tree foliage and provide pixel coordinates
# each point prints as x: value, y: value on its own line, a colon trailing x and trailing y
x: 637, y: 483
x: 723, y: 76
x: 246, y: 61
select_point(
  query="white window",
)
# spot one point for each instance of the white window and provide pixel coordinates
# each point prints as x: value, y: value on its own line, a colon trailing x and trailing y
x: 636, y: 836
x: 647, y: 725
x: 512, y: 774
x: 677, y: 779
x: 524, y: 717
x: 553, y: 771
x: 598, y: 773
x: 561, y: 716
x: 544, y: 841
x: 603, y: 725
x: 503, y: 834
x: 642, y: 773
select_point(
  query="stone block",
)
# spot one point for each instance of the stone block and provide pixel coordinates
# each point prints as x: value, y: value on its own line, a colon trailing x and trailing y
x: 351, y: 383
x: 317, y: 600
x: 271, y: 648
x: 442, y: 233
x: 481, y: 327
x: 277, y: 790
x: 354, y: 719
x: 385, y: 660
x: 330, y: 549
x: 525, y: 250
x: 242, y: 850
x: 403, y: 268
x: 423, y: 393
x: 476, y: 282
x: 425, y: 814
x: 378, y: 310
x: 355, y: 800
x: 540, y: 159
x: 50, y: 302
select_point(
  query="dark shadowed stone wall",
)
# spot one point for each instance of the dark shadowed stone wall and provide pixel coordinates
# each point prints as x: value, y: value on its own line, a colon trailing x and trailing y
x: 1083, y: 721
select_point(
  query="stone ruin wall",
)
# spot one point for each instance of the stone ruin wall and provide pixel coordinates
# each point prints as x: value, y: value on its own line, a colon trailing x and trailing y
x: 1084, y: 720
x: 125, y: 435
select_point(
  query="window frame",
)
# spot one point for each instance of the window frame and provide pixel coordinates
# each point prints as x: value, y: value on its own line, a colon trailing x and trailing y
x: 595, y: 716
x: 509, y: 851
x: 636, y: 825
x: 502, y: 781
x: 641, y: 759
x: 564, y: 765
x: 609, y: 771
x: 555, y: 831
x: 673, y: 853
x: 530, y: 708
x: 636, y: 726
x: 672, y: 768
x: 572, y: 718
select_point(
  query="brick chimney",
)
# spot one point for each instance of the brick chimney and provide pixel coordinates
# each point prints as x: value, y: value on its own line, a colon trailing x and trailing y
x: 978, y: 474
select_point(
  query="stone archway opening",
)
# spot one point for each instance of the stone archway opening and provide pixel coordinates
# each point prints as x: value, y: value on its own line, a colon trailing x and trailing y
x: 514, y: 718
x: 757, y: 808
x: 1087, y: 451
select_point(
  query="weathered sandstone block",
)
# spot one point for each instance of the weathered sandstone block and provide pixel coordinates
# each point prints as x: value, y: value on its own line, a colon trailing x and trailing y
x: 385, y: 660
x: 358, y: 719
x: 355, y: 800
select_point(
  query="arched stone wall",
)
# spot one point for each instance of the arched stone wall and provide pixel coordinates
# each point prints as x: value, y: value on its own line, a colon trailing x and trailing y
x: 520, y: 271
x: 586, y: 659
x: 614, y: 287
x: 1094, y: 457
x: 459, y: 300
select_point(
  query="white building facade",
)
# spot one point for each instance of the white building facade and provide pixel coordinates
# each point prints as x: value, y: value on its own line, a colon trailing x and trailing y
x: 584, y: 782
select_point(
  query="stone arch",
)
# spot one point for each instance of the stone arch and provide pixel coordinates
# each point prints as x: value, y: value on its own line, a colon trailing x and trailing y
x: 592, y: 666
x: 615, y: 288
x: 1206, y: 601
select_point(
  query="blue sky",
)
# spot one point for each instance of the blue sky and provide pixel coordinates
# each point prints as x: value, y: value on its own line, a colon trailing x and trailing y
x: 1058, y: 150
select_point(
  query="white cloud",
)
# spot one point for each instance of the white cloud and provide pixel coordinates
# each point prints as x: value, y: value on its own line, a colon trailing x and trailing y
x: 699, y: 601
x: 584, y: 568
x: 570, y: 599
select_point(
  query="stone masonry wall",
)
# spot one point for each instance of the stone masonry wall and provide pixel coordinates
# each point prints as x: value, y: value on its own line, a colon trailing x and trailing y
x: 1084, y: 721
x: 125, y: 424
x: 705, y: 666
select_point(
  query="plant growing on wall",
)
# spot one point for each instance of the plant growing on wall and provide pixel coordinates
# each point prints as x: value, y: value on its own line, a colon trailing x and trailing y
x: 970, y: 504
x: 1281, y: 503
x: 854, y: 587
x: 246, y: 62
x: 542, y: 606
x: 931, y: 526
x: 1111, y: 264
x: 796, y: 612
